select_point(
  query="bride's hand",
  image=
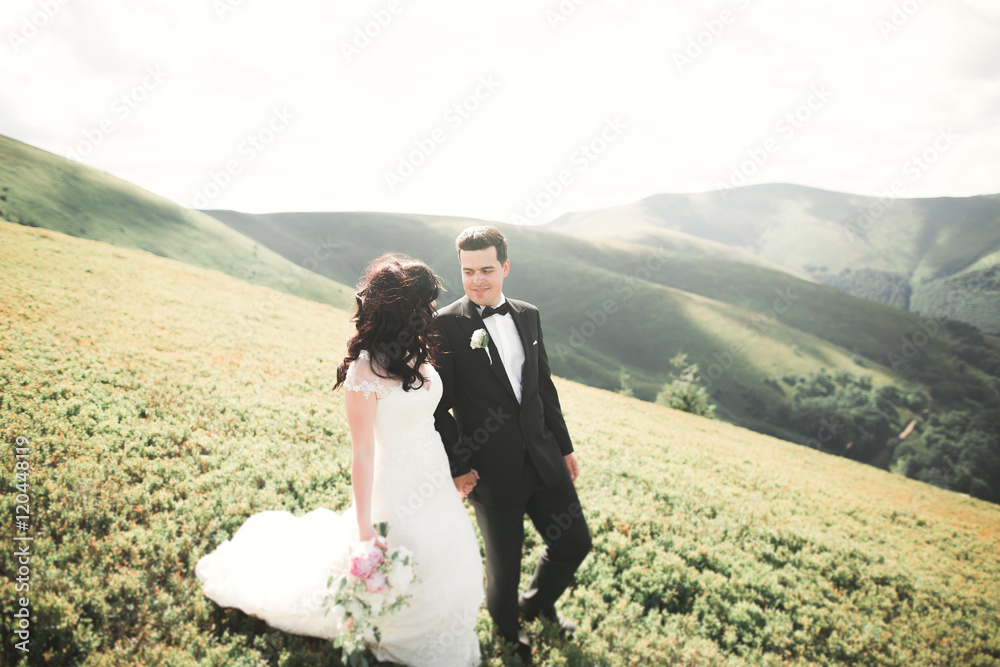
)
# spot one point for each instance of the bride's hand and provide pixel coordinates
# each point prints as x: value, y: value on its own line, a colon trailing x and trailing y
x: 466, y: 483
x: 369, y: 533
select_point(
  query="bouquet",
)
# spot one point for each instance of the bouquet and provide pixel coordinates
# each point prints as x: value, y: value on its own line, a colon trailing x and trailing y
x: 369, y: 585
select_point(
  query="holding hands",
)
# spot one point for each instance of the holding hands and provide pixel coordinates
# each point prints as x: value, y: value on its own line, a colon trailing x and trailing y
x: 466, y: 483
x: 572, y: 466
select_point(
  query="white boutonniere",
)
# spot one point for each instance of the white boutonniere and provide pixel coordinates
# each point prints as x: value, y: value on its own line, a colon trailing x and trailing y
x: 480, y: 341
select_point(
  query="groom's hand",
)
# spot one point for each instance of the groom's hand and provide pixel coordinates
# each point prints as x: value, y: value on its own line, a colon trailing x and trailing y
x: 572, y: 466
x: 466, y: 483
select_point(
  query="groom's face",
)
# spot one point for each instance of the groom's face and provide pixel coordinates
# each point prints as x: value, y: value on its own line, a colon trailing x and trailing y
x: 482, y: 275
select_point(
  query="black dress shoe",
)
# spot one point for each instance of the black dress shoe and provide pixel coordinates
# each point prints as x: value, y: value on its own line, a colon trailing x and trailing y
x: 521, y: 647
x: 566, y: 626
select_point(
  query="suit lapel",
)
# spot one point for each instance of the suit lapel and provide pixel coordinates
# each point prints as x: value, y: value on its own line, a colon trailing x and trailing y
x: 529, y: 370
x: 471, y: 321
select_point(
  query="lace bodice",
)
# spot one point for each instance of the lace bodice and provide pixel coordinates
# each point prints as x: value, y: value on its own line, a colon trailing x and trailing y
x: 362, y: 377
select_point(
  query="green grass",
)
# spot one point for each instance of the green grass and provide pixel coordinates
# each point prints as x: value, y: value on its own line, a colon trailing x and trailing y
x: 155, y: 429
x: 44, y: 190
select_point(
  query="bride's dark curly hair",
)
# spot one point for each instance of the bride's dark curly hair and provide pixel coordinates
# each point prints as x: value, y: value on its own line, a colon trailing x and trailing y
x: 393, y: 318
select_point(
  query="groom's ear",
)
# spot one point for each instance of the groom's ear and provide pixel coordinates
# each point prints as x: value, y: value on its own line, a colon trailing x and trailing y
x: 506, y: 267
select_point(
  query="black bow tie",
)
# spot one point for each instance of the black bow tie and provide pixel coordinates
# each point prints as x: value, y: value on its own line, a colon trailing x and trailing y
x: 502, y: 309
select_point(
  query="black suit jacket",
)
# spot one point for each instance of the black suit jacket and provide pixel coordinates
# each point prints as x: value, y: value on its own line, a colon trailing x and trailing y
x: 489, y: 431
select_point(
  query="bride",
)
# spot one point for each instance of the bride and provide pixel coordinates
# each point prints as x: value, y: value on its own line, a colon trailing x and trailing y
x: 276, y: 565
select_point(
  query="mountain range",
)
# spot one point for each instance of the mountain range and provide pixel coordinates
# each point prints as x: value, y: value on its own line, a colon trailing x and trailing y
x: 918, y: 255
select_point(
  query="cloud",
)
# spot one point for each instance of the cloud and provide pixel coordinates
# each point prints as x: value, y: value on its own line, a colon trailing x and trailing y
x: 356, y: 112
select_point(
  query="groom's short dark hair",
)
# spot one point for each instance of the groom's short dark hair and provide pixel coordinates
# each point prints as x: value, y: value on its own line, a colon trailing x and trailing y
x: 481, y: 238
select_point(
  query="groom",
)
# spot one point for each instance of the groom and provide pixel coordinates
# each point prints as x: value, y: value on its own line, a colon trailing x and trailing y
x: 507, y: 442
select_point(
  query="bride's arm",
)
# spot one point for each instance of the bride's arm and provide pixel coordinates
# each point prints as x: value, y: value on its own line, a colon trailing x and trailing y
x: 361, y: 422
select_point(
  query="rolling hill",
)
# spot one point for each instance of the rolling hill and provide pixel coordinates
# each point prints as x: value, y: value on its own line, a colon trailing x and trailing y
x: 40, y: 189
x: 936, y: 257
x: 152, y: 432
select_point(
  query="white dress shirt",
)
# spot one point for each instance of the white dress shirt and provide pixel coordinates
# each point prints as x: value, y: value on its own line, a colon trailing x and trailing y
x: 503, y: 333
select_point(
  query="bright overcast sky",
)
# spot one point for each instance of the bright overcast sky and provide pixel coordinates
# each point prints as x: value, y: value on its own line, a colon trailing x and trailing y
x: 480, y: 108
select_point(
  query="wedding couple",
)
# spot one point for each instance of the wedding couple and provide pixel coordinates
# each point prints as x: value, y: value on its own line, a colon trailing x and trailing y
x: 440, y: 406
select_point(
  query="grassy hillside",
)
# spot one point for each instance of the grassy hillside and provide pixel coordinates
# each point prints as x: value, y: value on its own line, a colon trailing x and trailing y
x: 897, y: 251
x: 40, y: 189
x: 152, y: 432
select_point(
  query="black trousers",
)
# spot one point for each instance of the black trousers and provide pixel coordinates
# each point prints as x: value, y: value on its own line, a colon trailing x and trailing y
x: 558, y: 517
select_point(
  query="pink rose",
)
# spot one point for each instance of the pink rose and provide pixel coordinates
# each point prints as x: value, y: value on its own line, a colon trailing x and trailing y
x: 376, y: 583
x: 363, y: 565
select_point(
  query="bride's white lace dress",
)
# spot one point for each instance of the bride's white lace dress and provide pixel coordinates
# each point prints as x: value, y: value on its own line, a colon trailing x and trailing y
x: 276, y: 566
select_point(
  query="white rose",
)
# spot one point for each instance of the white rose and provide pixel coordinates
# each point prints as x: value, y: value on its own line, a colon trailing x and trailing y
x: 480, y: 341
